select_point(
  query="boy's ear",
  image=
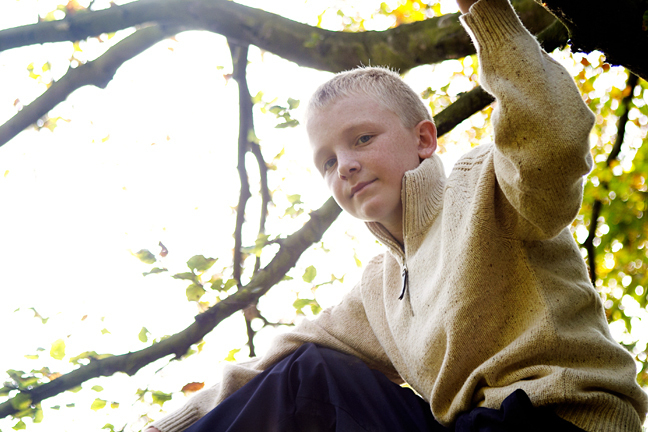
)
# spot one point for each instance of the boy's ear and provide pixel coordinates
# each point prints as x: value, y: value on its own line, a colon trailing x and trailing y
x: 427, y: 138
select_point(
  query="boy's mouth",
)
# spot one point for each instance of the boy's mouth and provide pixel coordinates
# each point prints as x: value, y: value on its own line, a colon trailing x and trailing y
x: 357, y: 188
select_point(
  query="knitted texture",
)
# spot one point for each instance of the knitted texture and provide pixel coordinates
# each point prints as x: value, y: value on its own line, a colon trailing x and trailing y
x: 499, y: 297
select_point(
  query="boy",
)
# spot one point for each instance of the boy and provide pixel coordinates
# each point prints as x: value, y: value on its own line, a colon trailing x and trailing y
x: 482, y: 303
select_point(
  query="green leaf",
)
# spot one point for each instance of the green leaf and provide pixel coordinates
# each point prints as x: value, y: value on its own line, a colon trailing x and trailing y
x: 252, y: 137
x: 229, y: 284
x: 58, y: 349
x: 276, y: 110
x: 357, y: 260
x: 309, y: 274
x: 154, y: 270
x: 195, y: 292
x: 287, y: 124
x: 259, y: 243
x: 21, y: 401
x: 31, y: 356
x: 98, y: 404
x: 200, y: 263
x: 256, y: 99
x: 143, y: 335
x: 20, y: 425
x: 97, y: 388
x: 216, y: 283
x: 110, y: 427
x: 160, y: 397
x: 184, y: 276
x: 293, y: 103
x: 294, y: 199
x: 38, y: 415
x: 145, y: 256
x: 299, y: 304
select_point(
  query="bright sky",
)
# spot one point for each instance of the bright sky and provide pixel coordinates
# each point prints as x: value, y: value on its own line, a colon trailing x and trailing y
x: 151, y: 158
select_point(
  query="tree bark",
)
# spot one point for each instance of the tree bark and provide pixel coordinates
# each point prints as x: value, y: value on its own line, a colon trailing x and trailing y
x: 98, y: 73
x: 401, y: 48
x: 618, y: 29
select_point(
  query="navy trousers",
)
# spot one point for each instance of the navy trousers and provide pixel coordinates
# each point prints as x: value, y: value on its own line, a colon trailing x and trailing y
x: 321, y: 390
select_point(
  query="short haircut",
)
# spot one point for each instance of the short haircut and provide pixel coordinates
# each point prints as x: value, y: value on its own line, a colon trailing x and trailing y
x: 381, y: 83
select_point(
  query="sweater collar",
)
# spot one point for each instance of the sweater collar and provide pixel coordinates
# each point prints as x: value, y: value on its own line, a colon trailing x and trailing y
x: 422, y: 194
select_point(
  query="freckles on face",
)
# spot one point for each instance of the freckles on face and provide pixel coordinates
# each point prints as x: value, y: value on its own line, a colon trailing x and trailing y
x: 362, y: 150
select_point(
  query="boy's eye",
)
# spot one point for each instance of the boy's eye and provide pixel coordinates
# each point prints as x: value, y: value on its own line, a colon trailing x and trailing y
x: 364, y: 139
x: 329, y: 164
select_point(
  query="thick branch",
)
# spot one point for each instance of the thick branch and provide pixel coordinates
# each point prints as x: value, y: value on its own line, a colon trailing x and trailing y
x: 286, y: 258
x: 616, y: 30
x: 98, y: 73
x: 404, y: 47
x: 552, y: 37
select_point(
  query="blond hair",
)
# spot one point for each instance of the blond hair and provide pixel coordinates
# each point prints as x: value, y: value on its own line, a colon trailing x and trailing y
x: 385, y: 85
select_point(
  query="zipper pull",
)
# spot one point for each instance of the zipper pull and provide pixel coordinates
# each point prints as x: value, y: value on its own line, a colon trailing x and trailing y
x: 405, y: 282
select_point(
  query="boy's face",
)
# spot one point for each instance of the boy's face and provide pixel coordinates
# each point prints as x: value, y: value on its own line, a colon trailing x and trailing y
x: 362, y: 150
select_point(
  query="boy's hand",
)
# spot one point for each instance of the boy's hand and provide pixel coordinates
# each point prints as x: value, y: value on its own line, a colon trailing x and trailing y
x: 464, y: 5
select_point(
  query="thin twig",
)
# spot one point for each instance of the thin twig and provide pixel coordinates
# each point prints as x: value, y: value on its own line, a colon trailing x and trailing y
x: 98, y: 73
x: 178, y: 344
x: 265, y: 194
x: 597, y: 206
x: 239, y: 62
x: 246, y: 128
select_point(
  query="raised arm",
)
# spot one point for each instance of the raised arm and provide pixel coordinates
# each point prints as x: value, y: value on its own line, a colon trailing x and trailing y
x: 464, y: 5
x: 343, y: 328
x: 541, y: 123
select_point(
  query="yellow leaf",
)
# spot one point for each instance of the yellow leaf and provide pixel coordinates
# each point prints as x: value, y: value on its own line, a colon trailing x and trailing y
x: 98, y: 404
x: 58, y: 349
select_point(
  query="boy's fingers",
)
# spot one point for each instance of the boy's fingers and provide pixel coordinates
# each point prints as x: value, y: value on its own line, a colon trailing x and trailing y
x: 464, y: 5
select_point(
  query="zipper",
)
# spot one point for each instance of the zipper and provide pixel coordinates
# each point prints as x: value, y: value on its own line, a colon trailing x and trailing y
x: 405, y: 277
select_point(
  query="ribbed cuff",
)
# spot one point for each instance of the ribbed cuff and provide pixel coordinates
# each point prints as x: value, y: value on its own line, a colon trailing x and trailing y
x: 178, y: 420
x: 492, y: 23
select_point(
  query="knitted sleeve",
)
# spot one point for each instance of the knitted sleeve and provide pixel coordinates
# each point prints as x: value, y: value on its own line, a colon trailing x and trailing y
x: 344, y: 328
x: 541, y: 123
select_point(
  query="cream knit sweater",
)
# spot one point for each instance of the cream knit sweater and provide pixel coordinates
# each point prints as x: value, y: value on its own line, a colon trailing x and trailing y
x: 499, y: 296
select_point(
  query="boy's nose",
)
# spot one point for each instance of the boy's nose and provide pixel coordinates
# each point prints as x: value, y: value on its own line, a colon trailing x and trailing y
x: 347, y: 167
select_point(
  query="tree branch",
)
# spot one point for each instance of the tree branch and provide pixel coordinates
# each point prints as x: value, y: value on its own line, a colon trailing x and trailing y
x: 618, y: 31
x: 98, y: 73
x: 266, y: 198
x: 588, y: 244
x: 402, y: 48
x: 246, y: 126
x: 178, y: 344
x: 239, y: 61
